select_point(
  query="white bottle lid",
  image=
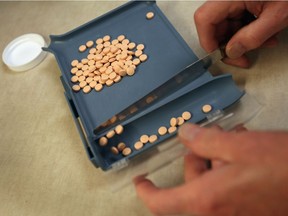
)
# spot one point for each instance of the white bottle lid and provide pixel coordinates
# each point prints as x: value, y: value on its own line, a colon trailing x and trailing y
x: 24, y: 52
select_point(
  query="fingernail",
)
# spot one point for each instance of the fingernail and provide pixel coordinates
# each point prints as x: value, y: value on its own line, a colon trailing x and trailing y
x: 236, y: 50
x: 188, y: 131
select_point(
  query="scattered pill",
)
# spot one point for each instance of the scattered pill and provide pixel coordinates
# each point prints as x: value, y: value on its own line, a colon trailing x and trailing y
x: 180, y: 121
x: 76, y: 88
x: 186, y: 115
x: 206, y: 108
x: 74, y: 79
x: 103, y: 141
x: 82, y: 84
x: 74, y: 63
x: 149, y: 15
x: 143, y: 57
x: 121, y: 38
x: 110, y: 134
x: 130, y: 71
x: 82, y: 48
x: 171, y: 130
x: 162, y: 130
x: 153, y: 138
x: 138, y: 145
x: 106, y: 38
x: 121, y: 146
x: 140, y: 47
x: 173, y: 122
x: 126, y: 151
x: 119, y: 129
x: 98, y: 87
x: 89, y: 44
x: 114, y: 150
x: 144, y: 138
x: 87, y: 89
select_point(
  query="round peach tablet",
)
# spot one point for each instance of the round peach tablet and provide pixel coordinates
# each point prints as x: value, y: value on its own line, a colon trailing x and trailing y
x: 130, y: 71
x: 87, y: 89
x: 82, y: 84
x: 119, y: 129
x: 206, y: 108
x: 138, y: 145
x: 121, y: 146
x: 140, y: 47
x: 106, y: 38
x: 121, y: 37
x: 114, y: 150
x: 74, y: 79
x: 92, y: 84
x: 162, y: 130
x: 103, y: 141
x: 173, y: 122
x: 180, y: 121
x: 144, y: 138
x: 110, y: 134
x: 149, y: 15
x: 82, y: 48
x: 186, y: 115
x: 126, y: 151
x: 109, y: 82
x: 76, y: 88
x: 143, y: 57
x: 136, y: 61
x: 74, y: 63
x: 74, y: 70
x: 98, y: 87
x: 171, y: 130
x: 153, y: 138
x: 89, y: 43
x: 138, y: 53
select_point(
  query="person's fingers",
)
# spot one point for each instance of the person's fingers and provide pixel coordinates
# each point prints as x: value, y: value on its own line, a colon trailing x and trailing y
x: 239, y: 128
x: 271, y: 42
x: 208, y: 142
x: 161, y: 201
x: 273, y: 19
x: 193, y: 166
x: 207, y: 18
x: 242, y: 62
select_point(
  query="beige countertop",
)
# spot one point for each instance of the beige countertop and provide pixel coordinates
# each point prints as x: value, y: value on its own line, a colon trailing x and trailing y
x: 43, y: 165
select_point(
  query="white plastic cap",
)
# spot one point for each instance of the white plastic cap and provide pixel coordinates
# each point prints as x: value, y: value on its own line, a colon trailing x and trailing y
x: 24, y: 52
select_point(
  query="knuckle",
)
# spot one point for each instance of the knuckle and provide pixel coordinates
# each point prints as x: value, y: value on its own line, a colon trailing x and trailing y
x: 199, y: 15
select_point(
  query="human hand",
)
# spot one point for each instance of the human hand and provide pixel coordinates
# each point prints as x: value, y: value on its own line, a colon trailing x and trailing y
x: 217, y: 22
x: 248, y: 177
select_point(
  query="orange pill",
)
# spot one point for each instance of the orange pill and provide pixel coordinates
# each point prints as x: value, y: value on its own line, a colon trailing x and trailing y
x: 98, y: 87
x: 109, y: 82
x: 138, y: 53
x: 92, y: 84
x: 76, y: 88
x: 89, y: 43
x: 121, y: 37
x: 106, y: 38
x: 74, y: 63
x: 153, y: 138
x: 82, y: 84
x: 82, y: 48
x: 114, y: 150
x: 74, y: 79
x: 81, y: 78
x: 138, y: 145
x: 136, y: 61
x: 130, y: 71
x: 207, y: 108
x: 172, y: 130
x: 110, y: 134
x: 180, y: 121
x: 117, y: 79
x: 143, y: 57
x: 150, y: 15
x: 144, y: 138
x: 87, y: 89
x: 114, y: 42
x: 99, y: 41
x: 186, y: 115
x: 173, y: 122
x: 74, y: 70
x: 119, y: 129
x: 103, y: 141
x: 140, y: 47
x: 121, y: 146
x: 126, y: 42
x: 162, y: 130
x: 79, y: 65
x: 84, y: 61
x: 126, y: 151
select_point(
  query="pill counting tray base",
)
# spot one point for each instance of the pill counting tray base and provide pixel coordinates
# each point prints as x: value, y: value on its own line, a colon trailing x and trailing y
x: 167, y: 54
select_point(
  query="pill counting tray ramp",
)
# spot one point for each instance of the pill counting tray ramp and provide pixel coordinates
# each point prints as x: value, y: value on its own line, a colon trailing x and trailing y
x: 168, y: 54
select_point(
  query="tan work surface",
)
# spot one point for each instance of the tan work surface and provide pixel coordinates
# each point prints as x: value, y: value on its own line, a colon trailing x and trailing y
x: 43, y: 165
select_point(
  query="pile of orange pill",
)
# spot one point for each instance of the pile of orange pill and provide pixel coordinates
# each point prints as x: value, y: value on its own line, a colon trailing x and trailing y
x: 107, y: 62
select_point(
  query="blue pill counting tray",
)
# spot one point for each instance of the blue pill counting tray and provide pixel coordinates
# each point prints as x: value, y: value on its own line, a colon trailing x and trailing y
x: 168, y: 54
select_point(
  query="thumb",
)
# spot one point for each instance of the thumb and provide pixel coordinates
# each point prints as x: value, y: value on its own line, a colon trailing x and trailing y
x: 272, y: 20
x: 209, y: 143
